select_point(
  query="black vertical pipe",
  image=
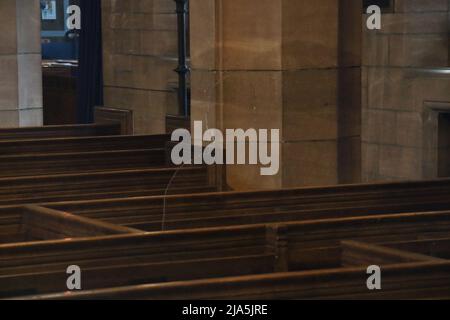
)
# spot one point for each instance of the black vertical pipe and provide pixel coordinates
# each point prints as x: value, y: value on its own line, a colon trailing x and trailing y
x: 90, y: 75
x: 183, y: 68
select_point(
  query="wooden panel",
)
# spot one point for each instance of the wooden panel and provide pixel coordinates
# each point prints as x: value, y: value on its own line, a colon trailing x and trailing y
x: 121, y: 260
x: 82, y: 144
x: 362, y: 254
x: 305, y: 245
x: 237, y: 208
x: 115, y: 115
x: 33, y: 223
x: 59, y: 96
x: 432, y: 247
x: 81, y: 130
x: 103, y: 185
x: 316, y: 244
x: 43, y: 224
x: 73, y: 162
x: 121, y: 275
x: 404, y: 281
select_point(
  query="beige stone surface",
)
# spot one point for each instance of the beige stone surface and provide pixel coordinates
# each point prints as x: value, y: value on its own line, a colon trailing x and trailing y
x: 140, y: 51
x: 9, y: 98
x: 400, y: 77
x: 206, y: 92
x: 293, y: 65
x: 400, y: 162
x: 349, y: 102
x: 28, y: 26
x: 282, y: 64
x: 310, y: 33
x: 389, y: 88
x: 20, y: 64
x: 310, y: 100
x: 409, y: 131
x: 419, y: 50
x: 8, y: 40
x: 205, y: 41
x: 414, y: 23
x: 30, y: 81
x: 140, y: 102
x: 31, y: 117
x: 375, y: 49
x: 310, y: 163
x: 421, y: 5
x: 370, y: 161
x: 248, y: 177
x: 252, y: 100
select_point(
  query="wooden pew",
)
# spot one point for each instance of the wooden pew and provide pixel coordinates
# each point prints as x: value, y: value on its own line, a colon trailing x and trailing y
x: 240, y: 208
x: 404, y: 276
x: 120, y: 260
x: 439, y: 248
x: 34, y: 223
x: 419, y: 280
x: 73, y: 162
x: 101, y: 185
x: 355, y: 254
x: 82, y: 144
x: 80, y: 130
x: 304, y: 246
x: 316, y: 244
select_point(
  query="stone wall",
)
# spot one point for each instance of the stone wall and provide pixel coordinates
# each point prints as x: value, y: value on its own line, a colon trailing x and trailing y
x: 20, y: 64
x: 293, y: 65
x: 282, y: 64
x: 404, y: 82
x: 140, y: 54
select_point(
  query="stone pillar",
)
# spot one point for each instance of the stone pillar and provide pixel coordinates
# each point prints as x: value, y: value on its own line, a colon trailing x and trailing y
x: 20, y: 63
x: 275, y: 64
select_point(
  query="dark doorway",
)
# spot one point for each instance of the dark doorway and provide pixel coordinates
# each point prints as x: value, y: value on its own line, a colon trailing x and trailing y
x: 444, y: 145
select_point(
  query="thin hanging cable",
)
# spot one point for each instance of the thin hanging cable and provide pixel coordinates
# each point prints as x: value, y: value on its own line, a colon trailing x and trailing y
x: 163, y: 223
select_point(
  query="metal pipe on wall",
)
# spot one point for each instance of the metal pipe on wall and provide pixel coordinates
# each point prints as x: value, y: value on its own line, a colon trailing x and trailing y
x: 183, y: 68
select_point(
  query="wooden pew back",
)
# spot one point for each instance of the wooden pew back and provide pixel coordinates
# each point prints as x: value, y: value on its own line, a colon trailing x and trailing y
x: 100, y: 185
x: 297, y: 246
x: 439, y: 248
x: 420, y: 280
x: 34, y: 223
x: 121, y: 260
x: 60, y: 131
x: 354, y: 253
x: 239, y: 208
x: 73, y: 162
x: 82, y: 144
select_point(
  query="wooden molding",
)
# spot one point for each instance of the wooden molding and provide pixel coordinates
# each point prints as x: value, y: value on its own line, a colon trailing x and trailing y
x: 114, y: 115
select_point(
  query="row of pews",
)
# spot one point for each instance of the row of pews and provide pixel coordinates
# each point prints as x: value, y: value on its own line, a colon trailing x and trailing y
x: 91, y: 162
x: 68, y: 203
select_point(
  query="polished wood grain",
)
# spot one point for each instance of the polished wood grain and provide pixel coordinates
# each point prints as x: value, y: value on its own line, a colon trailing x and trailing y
x: 81, y: 130
x: 115, y: 115
x: 420, y: 280
x: 241, y: 208
x: 81, y: 144
x: 309, y: 245
x: 33, y: 223
x: 142, y: 228
x: 104, y: 185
